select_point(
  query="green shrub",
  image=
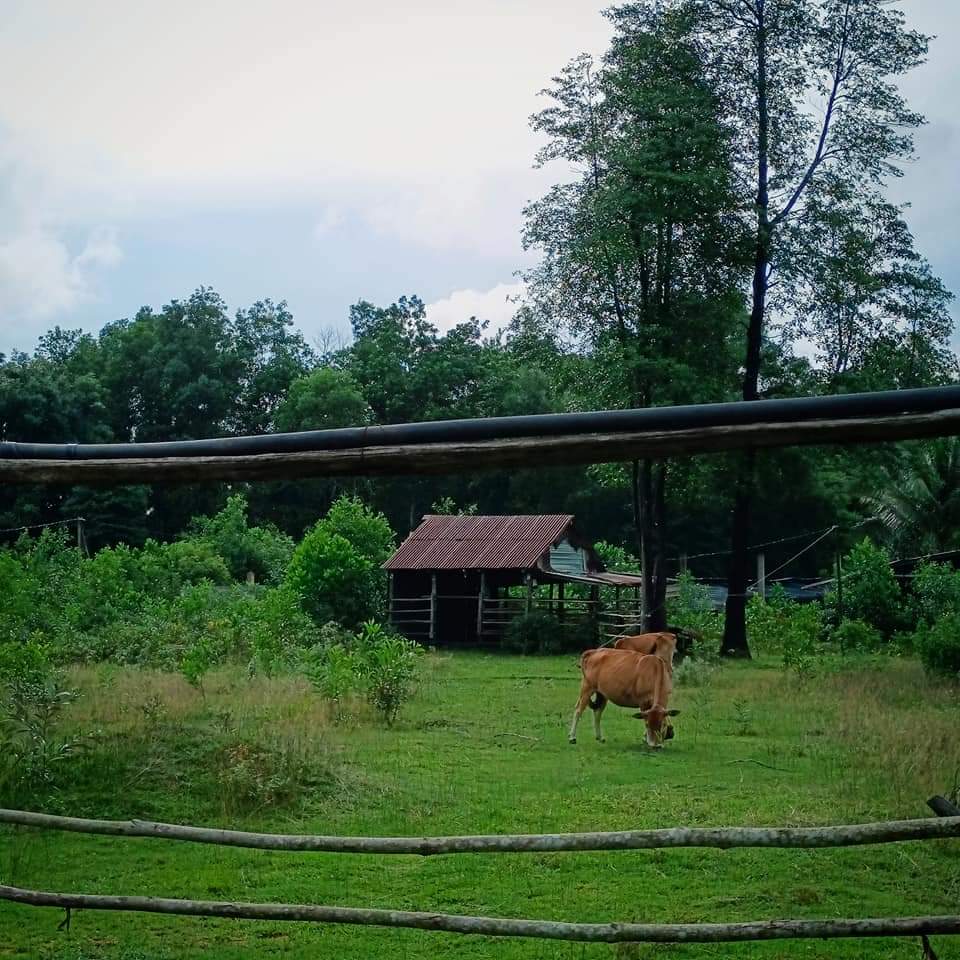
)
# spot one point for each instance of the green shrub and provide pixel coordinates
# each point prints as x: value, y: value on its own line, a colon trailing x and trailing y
x: 31, y: 750
x: 939, y: 646
x: 692, y: 608
x: 800, y: 639
x: 857, y: 635
x: 870, y: 590
x: 389, y: 666
x: 936, y: 592
x: 766, y: 620
x: 531, y: 632
x: 377, y: 663
x: 694, y: 673
x: 263, y: 551
x: 331, y: 578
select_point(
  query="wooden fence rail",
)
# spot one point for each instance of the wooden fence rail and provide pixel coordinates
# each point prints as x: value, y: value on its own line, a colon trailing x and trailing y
x: 894, y: 831
x: 500, y: 927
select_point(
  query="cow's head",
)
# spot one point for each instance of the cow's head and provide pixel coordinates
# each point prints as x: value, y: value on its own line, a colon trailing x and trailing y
x: 659, y: 727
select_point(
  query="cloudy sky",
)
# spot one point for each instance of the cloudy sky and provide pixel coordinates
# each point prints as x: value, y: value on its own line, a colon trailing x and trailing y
x: 316, y: 152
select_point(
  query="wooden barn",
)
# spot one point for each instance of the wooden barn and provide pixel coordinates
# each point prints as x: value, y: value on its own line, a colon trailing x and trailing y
x: 459, y: 581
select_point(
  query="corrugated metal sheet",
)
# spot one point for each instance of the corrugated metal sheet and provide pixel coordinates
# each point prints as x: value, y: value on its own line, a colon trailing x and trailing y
x: 479, y: 543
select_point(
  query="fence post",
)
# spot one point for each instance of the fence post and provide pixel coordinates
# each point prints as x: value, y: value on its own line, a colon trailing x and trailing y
x: 480, y: 595
x: 390, y: 617
x: 433, y: 607
x: 529, y: 603
x: 560, y: 612
x: 762, y: 574
x: 839, y: 564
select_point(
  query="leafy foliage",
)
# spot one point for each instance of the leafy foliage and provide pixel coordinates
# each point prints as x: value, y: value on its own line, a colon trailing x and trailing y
x: 336, y: 567
x: 870, y: 590
x: 532, y: 632
x: 374, y: 662
x: 857, y: 635
x: 939, y: 646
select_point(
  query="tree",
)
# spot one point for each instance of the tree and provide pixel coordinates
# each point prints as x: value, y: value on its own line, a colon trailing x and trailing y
x: 639, y: 254
x: 919, y: 504
x: 272, y: 357
x: 336, y: 567
x: 767, y: 59
x: 866, y: 301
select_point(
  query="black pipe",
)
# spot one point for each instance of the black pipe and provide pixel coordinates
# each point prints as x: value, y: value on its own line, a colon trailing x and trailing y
x: 844, y: 407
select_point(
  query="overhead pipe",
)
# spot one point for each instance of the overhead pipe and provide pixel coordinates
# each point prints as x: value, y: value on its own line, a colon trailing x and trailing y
x: 888, y: 403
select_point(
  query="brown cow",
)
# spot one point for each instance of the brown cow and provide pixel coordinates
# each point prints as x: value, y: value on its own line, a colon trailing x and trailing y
x: 628, y: 679
x: 645, y: 642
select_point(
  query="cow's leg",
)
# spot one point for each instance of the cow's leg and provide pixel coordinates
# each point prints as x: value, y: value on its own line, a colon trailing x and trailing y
x: 597, y: 714
x: 582, y: 704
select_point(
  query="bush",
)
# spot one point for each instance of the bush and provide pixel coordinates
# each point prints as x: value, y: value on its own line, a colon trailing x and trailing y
x: 692, y: 608
x: 31, y: 751
x: 857, y: 635
x: 389, y: 666
x: 936, y: 592
x: 263, y: 551
x: 870, y: 590
x: 802, y: 630
x: 381, y: 665
x: 533, y: 632
x: 766, y: 620
x: 331, y: 578
x: 693, y: 673
x: 939, y: 646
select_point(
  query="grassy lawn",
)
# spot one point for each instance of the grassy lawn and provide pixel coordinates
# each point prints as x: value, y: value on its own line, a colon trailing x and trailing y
x: 483, y: 749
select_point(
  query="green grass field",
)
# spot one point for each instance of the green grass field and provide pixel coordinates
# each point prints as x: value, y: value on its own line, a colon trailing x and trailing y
x: 483, y: 748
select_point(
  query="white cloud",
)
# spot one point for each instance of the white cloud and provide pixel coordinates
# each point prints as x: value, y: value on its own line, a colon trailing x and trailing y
x: 48, y: 263
x: 497, y: 306
x: 331, y: 217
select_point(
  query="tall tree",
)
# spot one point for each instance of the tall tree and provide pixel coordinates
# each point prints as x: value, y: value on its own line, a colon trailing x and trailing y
x: 639, y: 252
x: 770, y: 59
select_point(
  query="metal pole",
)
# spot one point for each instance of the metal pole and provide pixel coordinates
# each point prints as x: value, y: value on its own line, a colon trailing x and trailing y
x: 433, y: 607
x: 762, y: 574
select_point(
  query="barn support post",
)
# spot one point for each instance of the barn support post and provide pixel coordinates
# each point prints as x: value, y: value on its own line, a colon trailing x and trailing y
x: 594, y: 612
x: 762, y: 575
x: 560, y: 611
x: 481, y: 593
x: 390, y: 618
x: 433, y: 607
x: 528, y: 606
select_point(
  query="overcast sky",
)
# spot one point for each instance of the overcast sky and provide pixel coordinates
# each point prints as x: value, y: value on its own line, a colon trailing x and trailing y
x: 311, y: 151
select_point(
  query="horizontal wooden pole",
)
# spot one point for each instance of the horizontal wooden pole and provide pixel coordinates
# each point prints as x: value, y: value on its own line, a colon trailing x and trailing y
x: 461, y: 457
x: 894, y: 831
x: 500, y: 927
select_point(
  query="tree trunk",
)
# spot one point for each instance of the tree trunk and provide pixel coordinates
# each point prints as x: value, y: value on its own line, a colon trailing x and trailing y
x: 735, y: 625
x: 735, y: 620
x: 658, y: 611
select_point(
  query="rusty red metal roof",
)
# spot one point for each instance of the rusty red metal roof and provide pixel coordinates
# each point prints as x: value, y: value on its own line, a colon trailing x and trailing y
x: 479, y: 543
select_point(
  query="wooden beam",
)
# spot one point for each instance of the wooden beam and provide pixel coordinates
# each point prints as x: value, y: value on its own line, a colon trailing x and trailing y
x: 724, y: 838
x: 461, y: 457
x: 499, y: 927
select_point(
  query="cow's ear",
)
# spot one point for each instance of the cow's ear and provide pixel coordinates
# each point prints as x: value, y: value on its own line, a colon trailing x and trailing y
x: 672, y: 713
x: 642, y: 715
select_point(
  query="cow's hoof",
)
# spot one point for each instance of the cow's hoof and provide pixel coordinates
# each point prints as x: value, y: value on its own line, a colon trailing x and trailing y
x: 601, y: 739
x: 573, y: 740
